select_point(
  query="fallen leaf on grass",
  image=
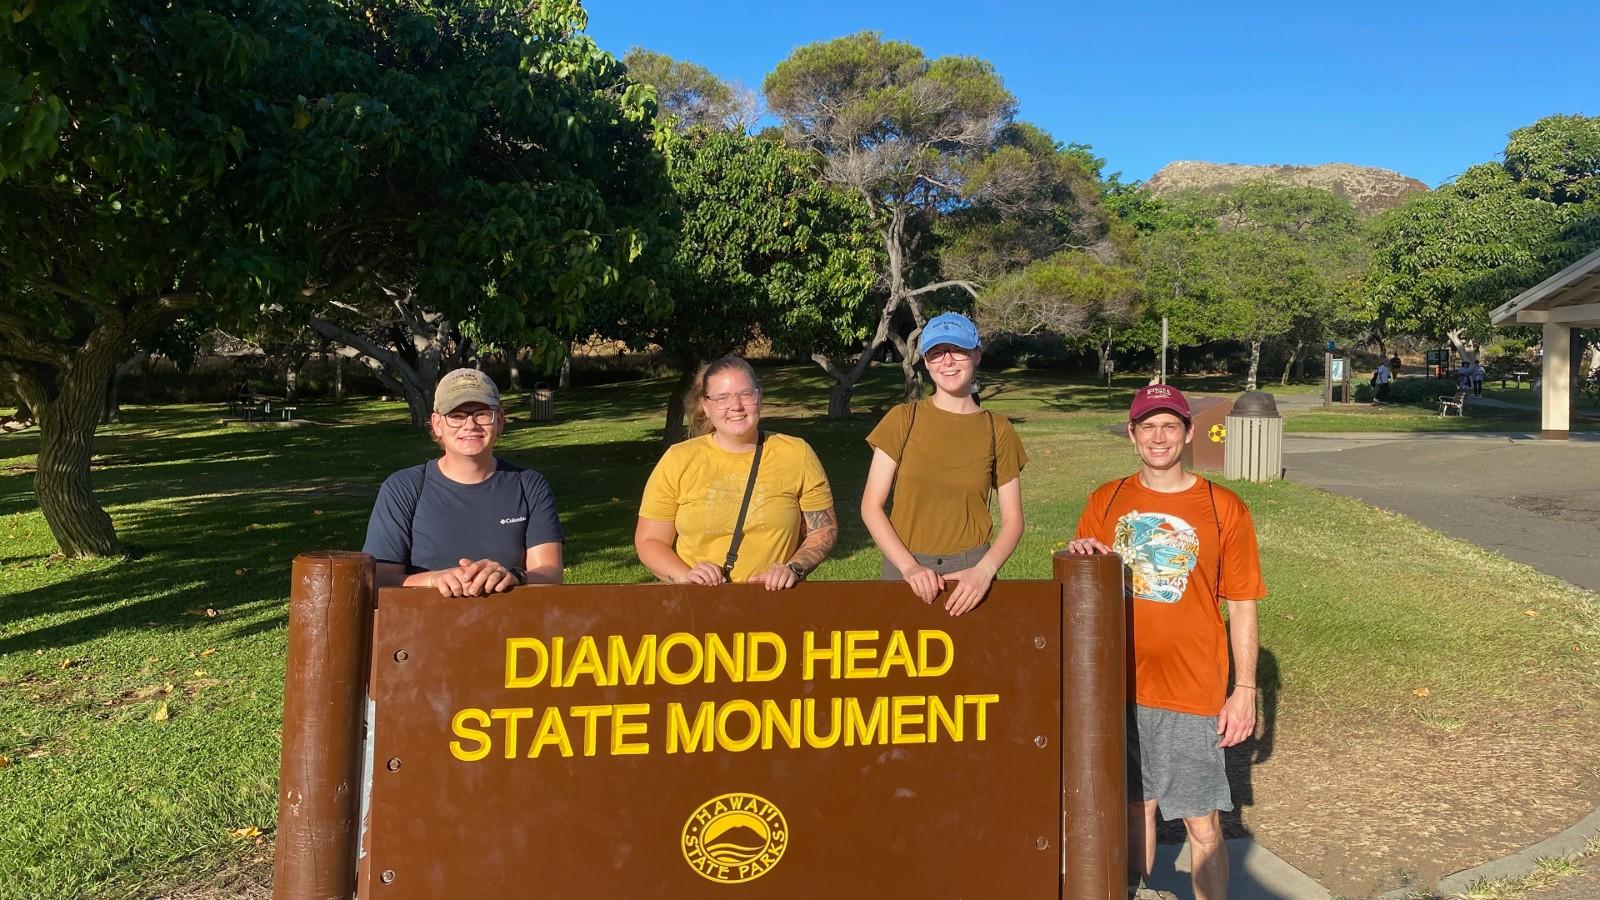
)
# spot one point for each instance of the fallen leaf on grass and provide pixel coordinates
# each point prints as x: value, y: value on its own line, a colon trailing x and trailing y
x: 208, y: 651
x: 1421, y: 692
x: 246, y: 833
x: 208, y: 612
x: 4, y: 761
x: 199, y: 673
x: 241, y: 571
x: 162, y: 713
x: 1531, y: 613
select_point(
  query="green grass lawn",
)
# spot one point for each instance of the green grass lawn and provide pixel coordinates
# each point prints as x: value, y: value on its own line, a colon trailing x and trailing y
x: 140, y: 698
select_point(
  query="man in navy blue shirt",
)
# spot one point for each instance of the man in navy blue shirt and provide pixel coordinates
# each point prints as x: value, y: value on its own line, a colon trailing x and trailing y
x: 468, y: 523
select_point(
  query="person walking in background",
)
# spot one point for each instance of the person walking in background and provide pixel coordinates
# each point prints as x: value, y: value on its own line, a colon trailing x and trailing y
x: 1477, y: 374
x: 1381, y: 382
x: 1190, y: 545
x: 468, y: 523
x: 735, y: 504
x: 940, y: 460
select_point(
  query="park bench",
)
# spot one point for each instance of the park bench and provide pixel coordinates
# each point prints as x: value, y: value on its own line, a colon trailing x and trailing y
x: 1458, y: 403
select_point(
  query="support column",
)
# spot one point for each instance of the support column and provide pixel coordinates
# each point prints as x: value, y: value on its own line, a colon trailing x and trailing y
x: 1094, y: 700
x: 331, y: 601
x: 1555, y: 402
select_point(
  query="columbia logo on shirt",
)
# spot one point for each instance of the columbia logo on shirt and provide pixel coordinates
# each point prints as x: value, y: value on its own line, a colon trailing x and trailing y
x: 513, y: 521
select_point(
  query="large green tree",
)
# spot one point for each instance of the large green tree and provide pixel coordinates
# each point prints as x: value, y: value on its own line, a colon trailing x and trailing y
x: 765, y: 248
x: 518, y: 180
x: 1255, y: 263
x: 162, y: 159
x: 1446, y: 258
x: 1035, y: 234
x: 690, y: 95
x: 898, y: 129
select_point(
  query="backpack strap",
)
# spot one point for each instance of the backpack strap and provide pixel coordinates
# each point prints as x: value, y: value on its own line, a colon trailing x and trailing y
x: 994, y: 452
x: 910, y: 425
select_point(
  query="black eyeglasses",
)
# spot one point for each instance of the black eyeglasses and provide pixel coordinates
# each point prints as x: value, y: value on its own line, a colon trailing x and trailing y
x: 938, y: 354
x: 484, y: 417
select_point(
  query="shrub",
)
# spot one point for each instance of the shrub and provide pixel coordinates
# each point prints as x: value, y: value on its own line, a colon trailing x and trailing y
x: 1419, y: 391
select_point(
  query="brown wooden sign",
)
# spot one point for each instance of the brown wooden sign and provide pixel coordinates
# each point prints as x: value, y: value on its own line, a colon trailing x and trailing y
x: 671, y: 741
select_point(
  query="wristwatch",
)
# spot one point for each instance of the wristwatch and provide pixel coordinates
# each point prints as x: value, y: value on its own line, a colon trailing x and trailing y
x: 799, y: 573
x: 519, y: 574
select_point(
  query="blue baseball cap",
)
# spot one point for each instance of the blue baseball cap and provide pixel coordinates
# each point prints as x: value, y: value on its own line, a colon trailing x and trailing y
x: 949, y: 328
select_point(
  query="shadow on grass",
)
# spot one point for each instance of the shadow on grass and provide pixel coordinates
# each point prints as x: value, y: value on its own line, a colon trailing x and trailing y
x: 217, y: 524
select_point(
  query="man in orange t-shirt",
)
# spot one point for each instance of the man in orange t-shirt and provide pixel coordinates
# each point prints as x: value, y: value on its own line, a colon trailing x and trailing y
x: 1189, y: 545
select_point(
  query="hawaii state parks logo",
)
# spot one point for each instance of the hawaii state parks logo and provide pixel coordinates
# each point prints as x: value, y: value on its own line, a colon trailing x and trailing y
x: 734, y: 838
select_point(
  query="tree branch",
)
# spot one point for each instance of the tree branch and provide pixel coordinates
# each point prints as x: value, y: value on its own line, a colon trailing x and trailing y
x: 965, y: 285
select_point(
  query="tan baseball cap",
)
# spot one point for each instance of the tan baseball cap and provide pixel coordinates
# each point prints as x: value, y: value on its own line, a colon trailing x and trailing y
x: 464, y: 386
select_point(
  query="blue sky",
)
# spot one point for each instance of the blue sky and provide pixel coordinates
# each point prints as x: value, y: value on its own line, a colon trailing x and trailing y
x: 1425, y: 89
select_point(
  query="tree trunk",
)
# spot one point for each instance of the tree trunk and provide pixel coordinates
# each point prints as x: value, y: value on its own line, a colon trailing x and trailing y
x: 414, y: 382
x: 338, y: 378
x: 110, y: 408
x: 1255, y: 365
x: 111, y: 412
x: 1294, y: 358
x: 678, y: 404
x: 845, y: 380
x: 513, y: 377
x: 1454, y: 336
x: 69, y: 406
x: 1174, y: 364
x: 565, y: 380
x: 912, y: 391
x: 839, y: 399
x: 291, y: 379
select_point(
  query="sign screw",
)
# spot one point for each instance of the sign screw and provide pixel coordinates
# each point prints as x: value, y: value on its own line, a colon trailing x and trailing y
x: 401, y: 656
x: 394, y: 763
x: 388, y: 874
x: 1038, y: 642
x: 1038, y: 741
x: 1041, y: 843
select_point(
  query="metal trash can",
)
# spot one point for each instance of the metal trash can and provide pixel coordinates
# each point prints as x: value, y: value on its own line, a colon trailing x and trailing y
x: 1253, y: 450
x: 542, y: 403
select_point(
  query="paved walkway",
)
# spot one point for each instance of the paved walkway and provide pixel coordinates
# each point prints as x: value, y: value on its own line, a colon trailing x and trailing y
x: 1534, y: 501
x: 1254, y: 873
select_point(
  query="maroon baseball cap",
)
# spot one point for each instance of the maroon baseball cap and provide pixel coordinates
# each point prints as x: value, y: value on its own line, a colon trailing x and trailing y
x: 1158, y: 398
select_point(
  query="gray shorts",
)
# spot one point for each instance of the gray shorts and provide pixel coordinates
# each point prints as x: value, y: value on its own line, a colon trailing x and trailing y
x: 943, y: 563
x: 1176, y: 759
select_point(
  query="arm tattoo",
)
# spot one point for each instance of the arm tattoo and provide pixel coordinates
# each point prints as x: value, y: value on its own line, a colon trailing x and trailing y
x: 822, y: 530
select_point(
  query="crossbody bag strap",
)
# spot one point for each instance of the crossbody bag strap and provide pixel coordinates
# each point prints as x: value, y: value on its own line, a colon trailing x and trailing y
x: 744, y: 507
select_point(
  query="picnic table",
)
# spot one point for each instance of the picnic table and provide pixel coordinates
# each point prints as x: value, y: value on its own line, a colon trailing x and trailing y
x: 1517, y: 375
x: 254, y: 406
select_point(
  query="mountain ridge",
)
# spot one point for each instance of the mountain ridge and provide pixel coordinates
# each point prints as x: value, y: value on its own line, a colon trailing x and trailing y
x: 1369, y: 189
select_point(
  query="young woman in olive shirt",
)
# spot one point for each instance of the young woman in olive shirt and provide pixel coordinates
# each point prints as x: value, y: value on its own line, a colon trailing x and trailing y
x: 940, y: 459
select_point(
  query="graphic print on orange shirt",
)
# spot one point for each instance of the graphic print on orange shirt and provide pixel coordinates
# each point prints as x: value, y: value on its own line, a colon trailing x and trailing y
x: 1160, y: 551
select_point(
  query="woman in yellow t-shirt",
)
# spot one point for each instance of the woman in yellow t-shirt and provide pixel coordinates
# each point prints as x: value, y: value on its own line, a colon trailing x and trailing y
x: 691, y: 503
x: 940, y: 458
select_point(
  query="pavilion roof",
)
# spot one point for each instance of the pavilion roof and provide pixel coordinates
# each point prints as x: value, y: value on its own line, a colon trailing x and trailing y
x: 1570, y: 296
